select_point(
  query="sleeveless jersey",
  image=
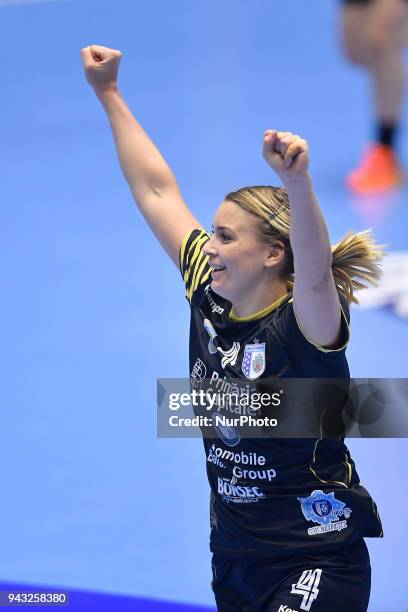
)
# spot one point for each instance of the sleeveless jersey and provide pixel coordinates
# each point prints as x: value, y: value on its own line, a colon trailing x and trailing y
x: 270, y: 496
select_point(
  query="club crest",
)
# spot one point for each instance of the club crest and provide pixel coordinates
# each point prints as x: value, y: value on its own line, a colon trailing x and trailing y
x: 253, y: 361
x: 325, y: 510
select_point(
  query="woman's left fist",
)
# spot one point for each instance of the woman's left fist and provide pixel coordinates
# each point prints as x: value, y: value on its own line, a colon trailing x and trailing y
x: 286, y: 153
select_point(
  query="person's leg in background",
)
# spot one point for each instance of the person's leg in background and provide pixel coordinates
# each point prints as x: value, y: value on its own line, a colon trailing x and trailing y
x: 374, y: 36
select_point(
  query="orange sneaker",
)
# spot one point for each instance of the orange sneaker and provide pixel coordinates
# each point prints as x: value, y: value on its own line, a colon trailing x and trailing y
x: 379, y: 171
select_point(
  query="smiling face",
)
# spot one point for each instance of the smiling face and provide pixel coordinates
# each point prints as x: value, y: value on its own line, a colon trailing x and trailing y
x: 242, y: 265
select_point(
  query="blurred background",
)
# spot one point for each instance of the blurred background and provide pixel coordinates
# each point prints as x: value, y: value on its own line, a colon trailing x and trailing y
x: 93, y: 312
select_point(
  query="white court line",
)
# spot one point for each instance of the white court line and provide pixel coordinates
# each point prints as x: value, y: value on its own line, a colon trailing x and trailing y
x: 17, y: 2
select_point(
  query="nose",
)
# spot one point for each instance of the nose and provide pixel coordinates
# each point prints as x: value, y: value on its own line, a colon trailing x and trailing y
x: 209, y: 247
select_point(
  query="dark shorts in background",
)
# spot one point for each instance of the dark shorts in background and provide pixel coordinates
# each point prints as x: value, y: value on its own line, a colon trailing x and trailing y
x: 338, y: 582
x: 358, y: 2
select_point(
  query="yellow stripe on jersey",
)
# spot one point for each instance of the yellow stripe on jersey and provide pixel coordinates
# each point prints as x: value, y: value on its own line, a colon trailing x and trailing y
x: 193, y: 263
x: 182, y: 252
x: 348, y: 467
x: 197, y: 260
x: 377, y: 516
x: 343, y: 484
x: 190, y: 252
x: 201, y: 276
x: 324, y: 349
x: 261, y: 313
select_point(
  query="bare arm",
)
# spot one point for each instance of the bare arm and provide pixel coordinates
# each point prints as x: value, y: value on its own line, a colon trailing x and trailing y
x: 315, y: 299
x: 153, y: 185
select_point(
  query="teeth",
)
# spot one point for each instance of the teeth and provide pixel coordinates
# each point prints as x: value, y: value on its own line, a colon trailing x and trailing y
x: 217, y: 268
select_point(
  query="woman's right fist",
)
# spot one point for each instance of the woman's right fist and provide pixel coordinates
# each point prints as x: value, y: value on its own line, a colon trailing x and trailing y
x: 101, y: 66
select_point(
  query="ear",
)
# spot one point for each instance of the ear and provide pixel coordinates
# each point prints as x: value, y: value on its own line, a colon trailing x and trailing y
x: 274, y: 254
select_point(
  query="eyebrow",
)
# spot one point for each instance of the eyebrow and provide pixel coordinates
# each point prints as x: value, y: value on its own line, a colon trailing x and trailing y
x: 222, y: 227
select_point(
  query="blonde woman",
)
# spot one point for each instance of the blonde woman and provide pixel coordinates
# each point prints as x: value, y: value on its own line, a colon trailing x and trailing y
x: 269, y: 298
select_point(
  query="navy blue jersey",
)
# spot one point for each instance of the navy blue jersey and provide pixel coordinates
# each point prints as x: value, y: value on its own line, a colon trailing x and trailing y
x: 270, y: 496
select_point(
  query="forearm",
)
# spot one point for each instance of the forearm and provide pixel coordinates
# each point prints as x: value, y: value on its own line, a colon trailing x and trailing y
x: 145, y: 169
x: 309, y: 237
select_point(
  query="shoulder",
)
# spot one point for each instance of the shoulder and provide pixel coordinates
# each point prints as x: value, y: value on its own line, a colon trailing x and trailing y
x: 292, y: 334
x: 192, y: 242
x: 193, y: 263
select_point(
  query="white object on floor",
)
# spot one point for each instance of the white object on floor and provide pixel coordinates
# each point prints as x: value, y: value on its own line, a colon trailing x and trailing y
x: 393, y: 287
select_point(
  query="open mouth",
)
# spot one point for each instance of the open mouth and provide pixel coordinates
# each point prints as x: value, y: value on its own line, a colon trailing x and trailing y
x: 216, y: 271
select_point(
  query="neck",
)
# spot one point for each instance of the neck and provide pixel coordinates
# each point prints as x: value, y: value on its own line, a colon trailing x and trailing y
x: 255, y: 301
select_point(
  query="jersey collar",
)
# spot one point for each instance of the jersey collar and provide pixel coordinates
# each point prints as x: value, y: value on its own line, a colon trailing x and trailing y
x: 261, y: 313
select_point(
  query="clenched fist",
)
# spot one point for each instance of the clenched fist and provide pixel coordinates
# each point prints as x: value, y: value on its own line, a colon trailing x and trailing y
x: 286, y: 153
x: 101, y: 66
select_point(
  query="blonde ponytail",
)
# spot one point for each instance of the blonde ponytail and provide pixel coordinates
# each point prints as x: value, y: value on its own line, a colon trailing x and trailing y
x: 356, y: 262
x: 356, y: 259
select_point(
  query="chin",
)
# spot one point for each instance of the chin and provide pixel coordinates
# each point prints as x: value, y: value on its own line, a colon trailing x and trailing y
x: 219, y: 290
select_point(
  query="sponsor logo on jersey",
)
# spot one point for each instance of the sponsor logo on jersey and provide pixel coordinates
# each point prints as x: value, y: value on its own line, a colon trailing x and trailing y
x: 240, y: 473
x: 198, y: 374
x: 307, y: 588
x: 214, y: 306
x: 284, y: 608
x: 253, y: 361
x: 216, y: 455
x: 212, y: 349
x: 228, y: 387
x: 209, y: 328
x: 324, y: 509
x: 230, y: 356
x: 250, y: 458
x: 238, y: 494
x: 228, y: 434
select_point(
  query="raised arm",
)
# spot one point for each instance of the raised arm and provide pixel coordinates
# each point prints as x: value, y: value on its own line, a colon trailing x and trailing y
x: 150, y: 179
x: 315, y: 299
